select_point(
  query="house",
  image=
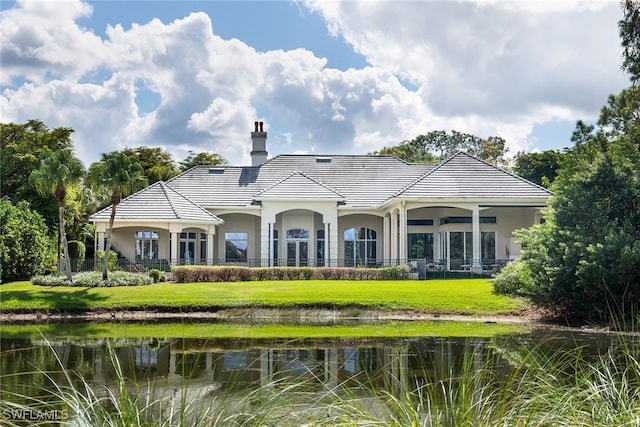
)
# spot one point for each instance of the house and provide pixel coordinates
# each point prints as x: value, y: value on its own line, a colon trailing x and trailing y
x: 329, y: 210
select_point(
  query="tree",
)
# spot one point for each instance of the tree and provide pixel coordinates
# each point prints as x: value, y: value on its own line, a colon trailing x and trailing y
x: 540, y: 168
x: 438, y: 145
x: 58, y: 170
x: 23, y: 147
x: 119, y: 174
x: 26, y: 248
x: 203, y: 158
x: 156, y: 163
x: 630, y: 35
x: 585, y: 258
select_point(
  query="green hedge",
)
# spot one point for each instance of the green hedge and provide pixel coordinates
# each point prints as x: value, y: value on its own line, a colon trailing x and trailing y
x: 233, y: 273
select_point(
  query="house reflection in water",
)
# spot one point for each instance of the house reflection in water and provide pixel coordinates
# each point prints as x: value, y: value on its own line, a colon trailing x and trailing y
x: 231, y: 364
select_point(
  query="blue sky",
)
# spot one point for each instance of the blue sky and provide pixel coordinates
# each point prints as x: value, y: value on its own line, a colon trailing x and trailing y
x: 339, y: 77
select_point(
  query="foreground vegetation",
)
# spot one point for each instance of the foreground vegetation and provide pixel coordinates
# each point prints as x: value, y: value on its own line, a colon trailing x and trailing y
x: 465, y: 296
x: 561, y: 389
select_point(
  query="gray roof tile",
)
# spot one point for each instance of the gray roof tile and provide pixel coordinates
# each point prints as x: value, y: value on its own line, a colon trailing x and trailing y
x: 297, y: 186
x: 465, y: 177
x: 158, y: 202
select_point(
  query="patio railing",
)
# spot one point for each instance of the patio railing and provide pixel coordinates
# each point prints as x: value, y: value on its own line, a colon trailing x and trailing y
x: 424, y: 267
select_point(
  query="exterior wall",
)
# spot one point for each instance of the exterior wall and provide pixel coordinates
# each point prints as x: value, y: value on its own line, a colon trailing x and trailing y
x: 123, y: 240
x: 239, y: 223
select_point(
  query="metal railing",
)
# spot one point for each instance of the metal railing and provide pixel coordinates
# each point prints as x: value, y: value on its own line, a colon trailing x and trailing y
x: 419, y: 265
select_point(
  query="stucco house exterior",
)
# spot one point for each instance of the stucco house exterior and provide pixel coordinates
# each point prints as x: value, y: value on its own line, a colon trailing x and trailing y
x: 328, y: 210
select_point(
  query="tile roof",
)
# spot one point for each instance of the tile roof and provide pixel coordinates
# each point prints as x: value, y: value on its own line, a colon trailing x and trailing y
x: 158, y: 202
x: 465, y: 177
x: 297, y: 186
x: 363, y: 181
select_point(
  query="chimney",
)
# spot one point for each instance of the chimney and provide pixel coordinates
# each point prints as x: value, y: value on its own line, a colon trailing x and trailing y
x: 259, y: 149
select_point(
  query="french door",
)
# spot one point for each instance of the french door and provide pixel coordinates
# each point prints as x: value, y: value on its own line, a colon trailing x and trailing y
x: 297, y: 253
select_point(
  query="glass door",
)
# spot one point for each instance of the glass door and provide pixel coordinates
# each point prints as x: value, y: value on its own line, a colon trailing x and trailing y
x: 297, y: 247
x: 297, y: 253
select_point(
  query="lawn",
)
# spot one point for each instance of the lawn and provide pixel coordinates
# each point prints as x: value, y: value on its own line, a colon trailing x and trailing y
x: 462, y: 296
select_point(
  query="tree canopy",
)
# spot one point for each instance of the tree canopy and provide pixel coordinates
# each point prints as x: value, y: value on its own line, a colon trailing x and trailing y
x: 23, y: 147
x: 438, y: 145
x: 202, y: 158
x: 585, y: 257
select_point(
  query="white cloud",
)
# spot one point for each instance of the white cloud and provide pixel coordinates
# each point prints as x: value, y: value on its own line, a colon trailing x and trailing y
x: 488, y: 68
x: 511, y: 63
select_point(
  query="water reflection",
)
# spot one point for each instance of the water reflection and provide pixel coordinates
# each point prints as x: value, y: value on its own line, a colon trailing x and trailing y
x: 214, y: 366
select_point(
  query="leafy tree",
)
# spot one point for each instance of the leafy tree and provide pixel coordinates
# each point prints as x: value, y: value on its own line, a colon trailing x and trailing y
x: 157, y: 164
x: 203, y: 158
x: 630, y: 35
x: 540, y: 168
x: 585, y: 258
x: 438, y: 145
x: 23, y: 147
x: 26, y: 248
x: 59, y: 170
x: 410, y: 151
x: 119, y: 174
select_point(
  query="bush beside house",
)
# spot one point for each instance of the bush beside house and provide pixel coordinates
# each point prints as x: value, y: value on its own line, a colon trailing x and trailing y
x: 184, y: 274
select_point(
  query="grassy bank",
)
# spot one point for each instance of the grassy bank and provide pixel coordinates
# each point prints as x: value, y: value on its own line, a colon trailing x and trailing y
x: 464, y: 296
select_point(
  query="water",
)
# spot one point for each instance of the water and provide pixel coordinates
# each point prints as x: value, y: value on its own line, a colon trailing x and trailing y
x: 218, y: 359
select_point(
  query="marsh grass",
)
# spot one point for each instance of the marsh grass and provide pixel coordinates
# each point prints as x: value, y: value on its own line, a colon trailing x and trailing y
x: 563, y: 388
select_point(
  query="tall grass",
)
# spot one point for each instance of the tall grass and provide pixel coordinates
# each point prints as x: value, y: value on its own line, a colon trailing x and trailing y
x: 563, y: 388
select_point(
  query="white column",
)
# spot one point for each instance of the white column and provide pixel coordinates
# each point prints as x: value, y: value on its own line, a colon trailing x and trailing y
x: 394, y: 237
x: 264, y: 240
x: 100, y: 241
x: 386, y: 239
x: 402, y: 252
x: 175, y: 256
x: 333, y: 239
x: 210, y: 238
x: 476, y: 265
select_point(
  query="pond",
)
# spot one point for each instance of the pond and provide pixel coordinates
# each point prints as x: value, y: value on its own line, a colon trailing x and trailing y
x: 168, y: 367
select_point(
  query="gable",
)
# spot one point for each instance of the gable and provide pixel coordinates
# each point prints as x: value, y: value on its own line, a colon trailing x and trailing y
x: 157, y: 202
x: 465, y: 177
x: 298, y: 186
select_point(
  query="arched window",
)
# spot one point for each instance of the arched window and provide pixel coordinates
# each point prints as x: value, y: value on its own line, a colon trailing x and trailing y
x: 360, y: 247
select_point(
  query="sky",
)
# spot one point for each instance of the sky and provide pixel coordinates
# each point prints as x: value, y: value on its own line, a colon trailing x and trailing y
x: 325, y: 77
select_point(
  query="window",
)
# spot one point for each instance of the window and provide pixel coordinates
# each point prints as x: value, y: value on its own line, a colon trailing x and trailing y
x: 360, y: 246
x: 236, y: 245
x: 320, y: 248
x: 488, y: 246
x: 467, y: 220
x: 187, y: 247
x: 419, y: 222
x: 203, y: 248
x: 275, y: 248
x: 420, y: 245
x: 146, y: 245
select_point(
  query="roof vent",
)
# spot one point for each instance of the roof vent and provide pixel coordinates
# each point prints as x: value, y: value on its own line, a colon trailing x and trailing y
x: 323, y: 159
x: 216, y: 170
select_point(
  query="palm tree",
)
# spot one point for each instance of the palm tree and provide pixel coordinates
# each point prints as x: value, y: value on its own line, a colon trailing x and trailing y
x: 58, y: 170
x: 119, y: 174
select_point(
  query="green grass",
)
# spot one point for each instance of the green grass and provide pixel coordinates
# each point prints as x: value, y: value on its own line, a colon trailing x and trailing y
x: 87, y: 330
x: 464, y: 296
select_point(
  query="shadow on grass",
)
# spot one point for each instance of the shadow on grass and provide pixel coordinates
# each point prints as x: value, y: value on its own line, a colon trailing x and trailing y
x: 53, y: 300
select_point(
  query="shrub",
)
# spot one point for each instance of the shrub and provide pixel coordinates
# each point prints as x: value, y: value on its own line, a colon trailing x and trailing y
x: 112, y: 263
x: 233, y: 273
x: 156, y: 275
x: 513, y: 279
x: 25, y: 246
x: 94, y: 279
